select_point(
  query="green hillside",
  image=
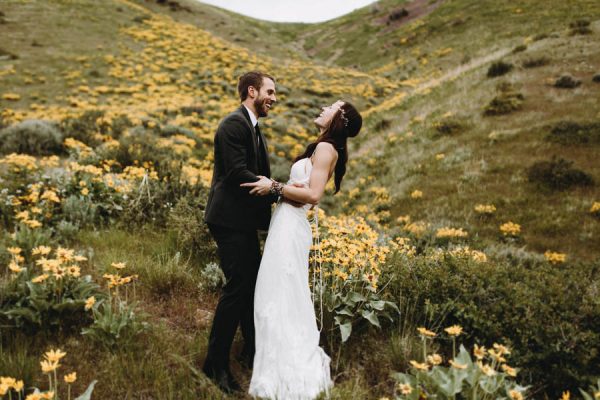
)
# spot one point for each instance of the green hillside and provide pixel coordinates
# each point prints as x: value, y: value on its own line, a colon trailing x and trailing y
x: 472, y: 194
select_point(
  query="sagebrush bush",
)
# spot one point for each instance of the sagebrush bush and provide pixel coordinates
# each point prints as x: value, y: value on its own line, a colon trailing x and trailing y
x: 499, y: 68
x: 449, y: 126
x: 569, y: 132
x: 83, y: 128
x: 580, y: 27
x: 186, y: 219
x: 566, y: 82
x: 558, y: 174
x: 505, y: 103
x: 549, y: 316
x: 35, y: 137
x: 536, y: 62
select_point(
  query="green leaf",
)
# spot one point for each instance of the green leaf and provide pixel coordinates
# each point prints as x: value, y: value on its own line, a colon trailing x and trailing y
x: 371, y: 317
x: 87, y: 395
x: 345, y: 330
x: 355, y: 297
x: 345, y: 311
x: 378, y: 305
x: 449, y: 380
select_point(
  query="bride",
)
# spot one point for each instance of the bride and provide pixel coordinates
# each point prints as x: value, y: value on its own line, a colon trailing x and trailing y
x: 289, y: 364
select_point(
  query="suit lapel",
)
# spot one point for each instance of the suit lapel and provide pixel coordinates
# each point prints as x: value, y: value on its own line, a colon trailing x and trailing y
x: 267, y: 164
x: 244, y: 112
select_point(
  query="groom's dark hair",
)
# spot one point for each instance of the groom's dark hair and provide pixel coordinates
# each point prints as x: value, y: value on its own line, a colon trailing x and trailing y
x: 252, y: 78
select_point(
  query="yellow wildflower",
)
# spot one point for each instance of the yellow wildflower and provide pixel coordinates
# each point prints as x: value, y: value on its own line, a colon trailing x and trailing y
x: 486, y: 369
x: 510, y: 229
x: 501, y: 348
x: 41, y: 250
x: 405, y: 388
x: 419, y: 366
x: 479, y: 352
x: 515, y: 395
x: 70, y: 378
x: 49, y: 366
x: 425, y: 332
x: 566, y: 395
x: 54, y: 355
x: 119, y: 265
x: 89, y: 303
x: 40, y: 278
x: 416, y: 194
x: 451, y: 233
x: 14, y: 250
x: 454, y: 330
x: 510, y: 371
x: 554, y: 257
x: 14, y: 267
x: 485, y: 208
x: 434, y: 359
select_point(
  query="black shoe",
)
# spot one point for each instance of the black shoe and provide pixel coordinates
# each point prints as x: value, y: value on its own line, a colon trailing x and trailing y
x: 223, y: 379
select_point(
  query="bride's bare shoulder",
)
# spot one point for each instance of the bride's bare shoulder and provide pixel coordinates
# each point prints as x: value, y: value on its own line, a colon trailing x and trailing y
x: 326, y: 148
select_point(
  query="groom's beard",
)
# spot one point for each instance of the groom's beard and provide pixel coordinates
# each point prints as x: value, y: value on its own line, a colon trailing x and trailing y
x: 260, y: 105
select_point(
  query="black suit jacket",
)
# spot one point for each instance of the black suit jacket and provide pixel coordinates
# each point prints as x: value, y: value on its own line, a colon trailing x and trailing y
x: 238, y: 159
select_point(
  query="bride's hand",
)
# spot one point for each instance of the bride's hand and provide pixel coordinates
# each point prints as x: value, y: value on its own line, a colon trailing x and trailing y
x: 261, y: 187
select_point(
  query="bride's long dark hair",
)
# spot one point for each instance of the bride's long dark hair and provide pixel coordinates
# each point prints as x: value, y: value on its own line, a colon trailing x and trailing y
x: 342, y: 126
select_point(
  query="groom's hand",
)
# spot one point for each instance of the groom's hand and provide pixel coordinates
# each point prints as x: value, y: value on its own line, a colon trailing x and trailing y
x: 261, y: 187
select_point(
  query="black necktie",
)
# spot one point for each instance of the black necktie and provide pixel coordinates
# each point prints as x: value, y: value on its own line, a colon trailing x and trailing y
x: 259, y: 155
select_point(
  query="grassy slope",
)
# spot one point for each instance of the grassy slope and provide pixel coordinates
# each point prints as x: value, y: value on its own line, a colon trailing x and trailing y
x: 475, y: 169
x: 448, y: 52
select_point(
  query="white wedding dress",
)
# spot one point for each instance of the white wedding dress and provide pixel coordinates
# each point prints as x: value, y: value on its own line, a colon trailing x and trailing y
x: 288, y: 364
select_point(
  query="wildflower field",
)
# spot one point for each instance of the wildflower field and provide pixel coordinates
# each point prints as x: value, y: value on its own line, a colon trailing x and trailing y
x: 460, y: 260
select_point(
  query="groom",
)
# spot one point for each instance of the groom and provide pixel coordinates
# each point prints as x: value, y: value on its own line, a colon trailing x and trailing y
x: 234, y: 216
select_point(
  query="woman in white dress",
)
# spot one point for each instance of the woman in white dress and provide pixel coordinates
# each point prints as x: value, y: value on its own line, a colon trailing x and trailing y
x: 289, y: 364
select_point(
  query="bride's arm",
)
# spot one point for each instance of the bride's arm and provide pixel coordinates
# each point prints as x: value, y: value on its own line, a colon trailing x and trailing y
x: 324, y: 159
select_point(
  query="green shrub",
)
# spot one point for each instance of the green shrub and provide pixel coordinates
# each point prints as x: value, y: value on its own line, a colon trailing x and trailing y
x: 568, y: 132
x: 536, y: 62
x: 558, y: 174
x: 35, y: 137
x: 580, y: 27
x: 505, y: 103
x: 115, y: 327
x: 212, y: 277
x: 54, y: 305
x: 567, y: 82
x: 186, y: 219
x: 499, y: 68
x: 548, y: 315
x: 449, y: 126
x: 83, y: 128
x: 170, y: 274
x: 485, y: 377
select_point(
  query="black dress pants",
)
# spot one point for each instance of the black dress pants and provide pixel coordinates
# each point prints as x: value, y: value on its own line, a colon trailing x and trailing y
x: 239, y: 253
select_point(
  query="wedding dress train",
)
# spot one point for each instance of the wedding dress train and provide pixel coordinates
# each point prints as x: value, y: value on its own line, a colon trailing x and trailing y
x: 288, y: 364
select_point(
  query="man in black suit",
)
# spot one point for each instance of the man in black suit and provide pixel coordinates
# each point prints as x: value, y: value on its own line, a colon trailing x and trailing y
x: 234, y: 216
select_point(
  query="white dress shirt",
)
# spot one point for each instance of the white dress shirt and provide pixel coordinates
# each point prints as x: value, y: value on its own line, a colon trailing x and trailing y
x: 254, y: 121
